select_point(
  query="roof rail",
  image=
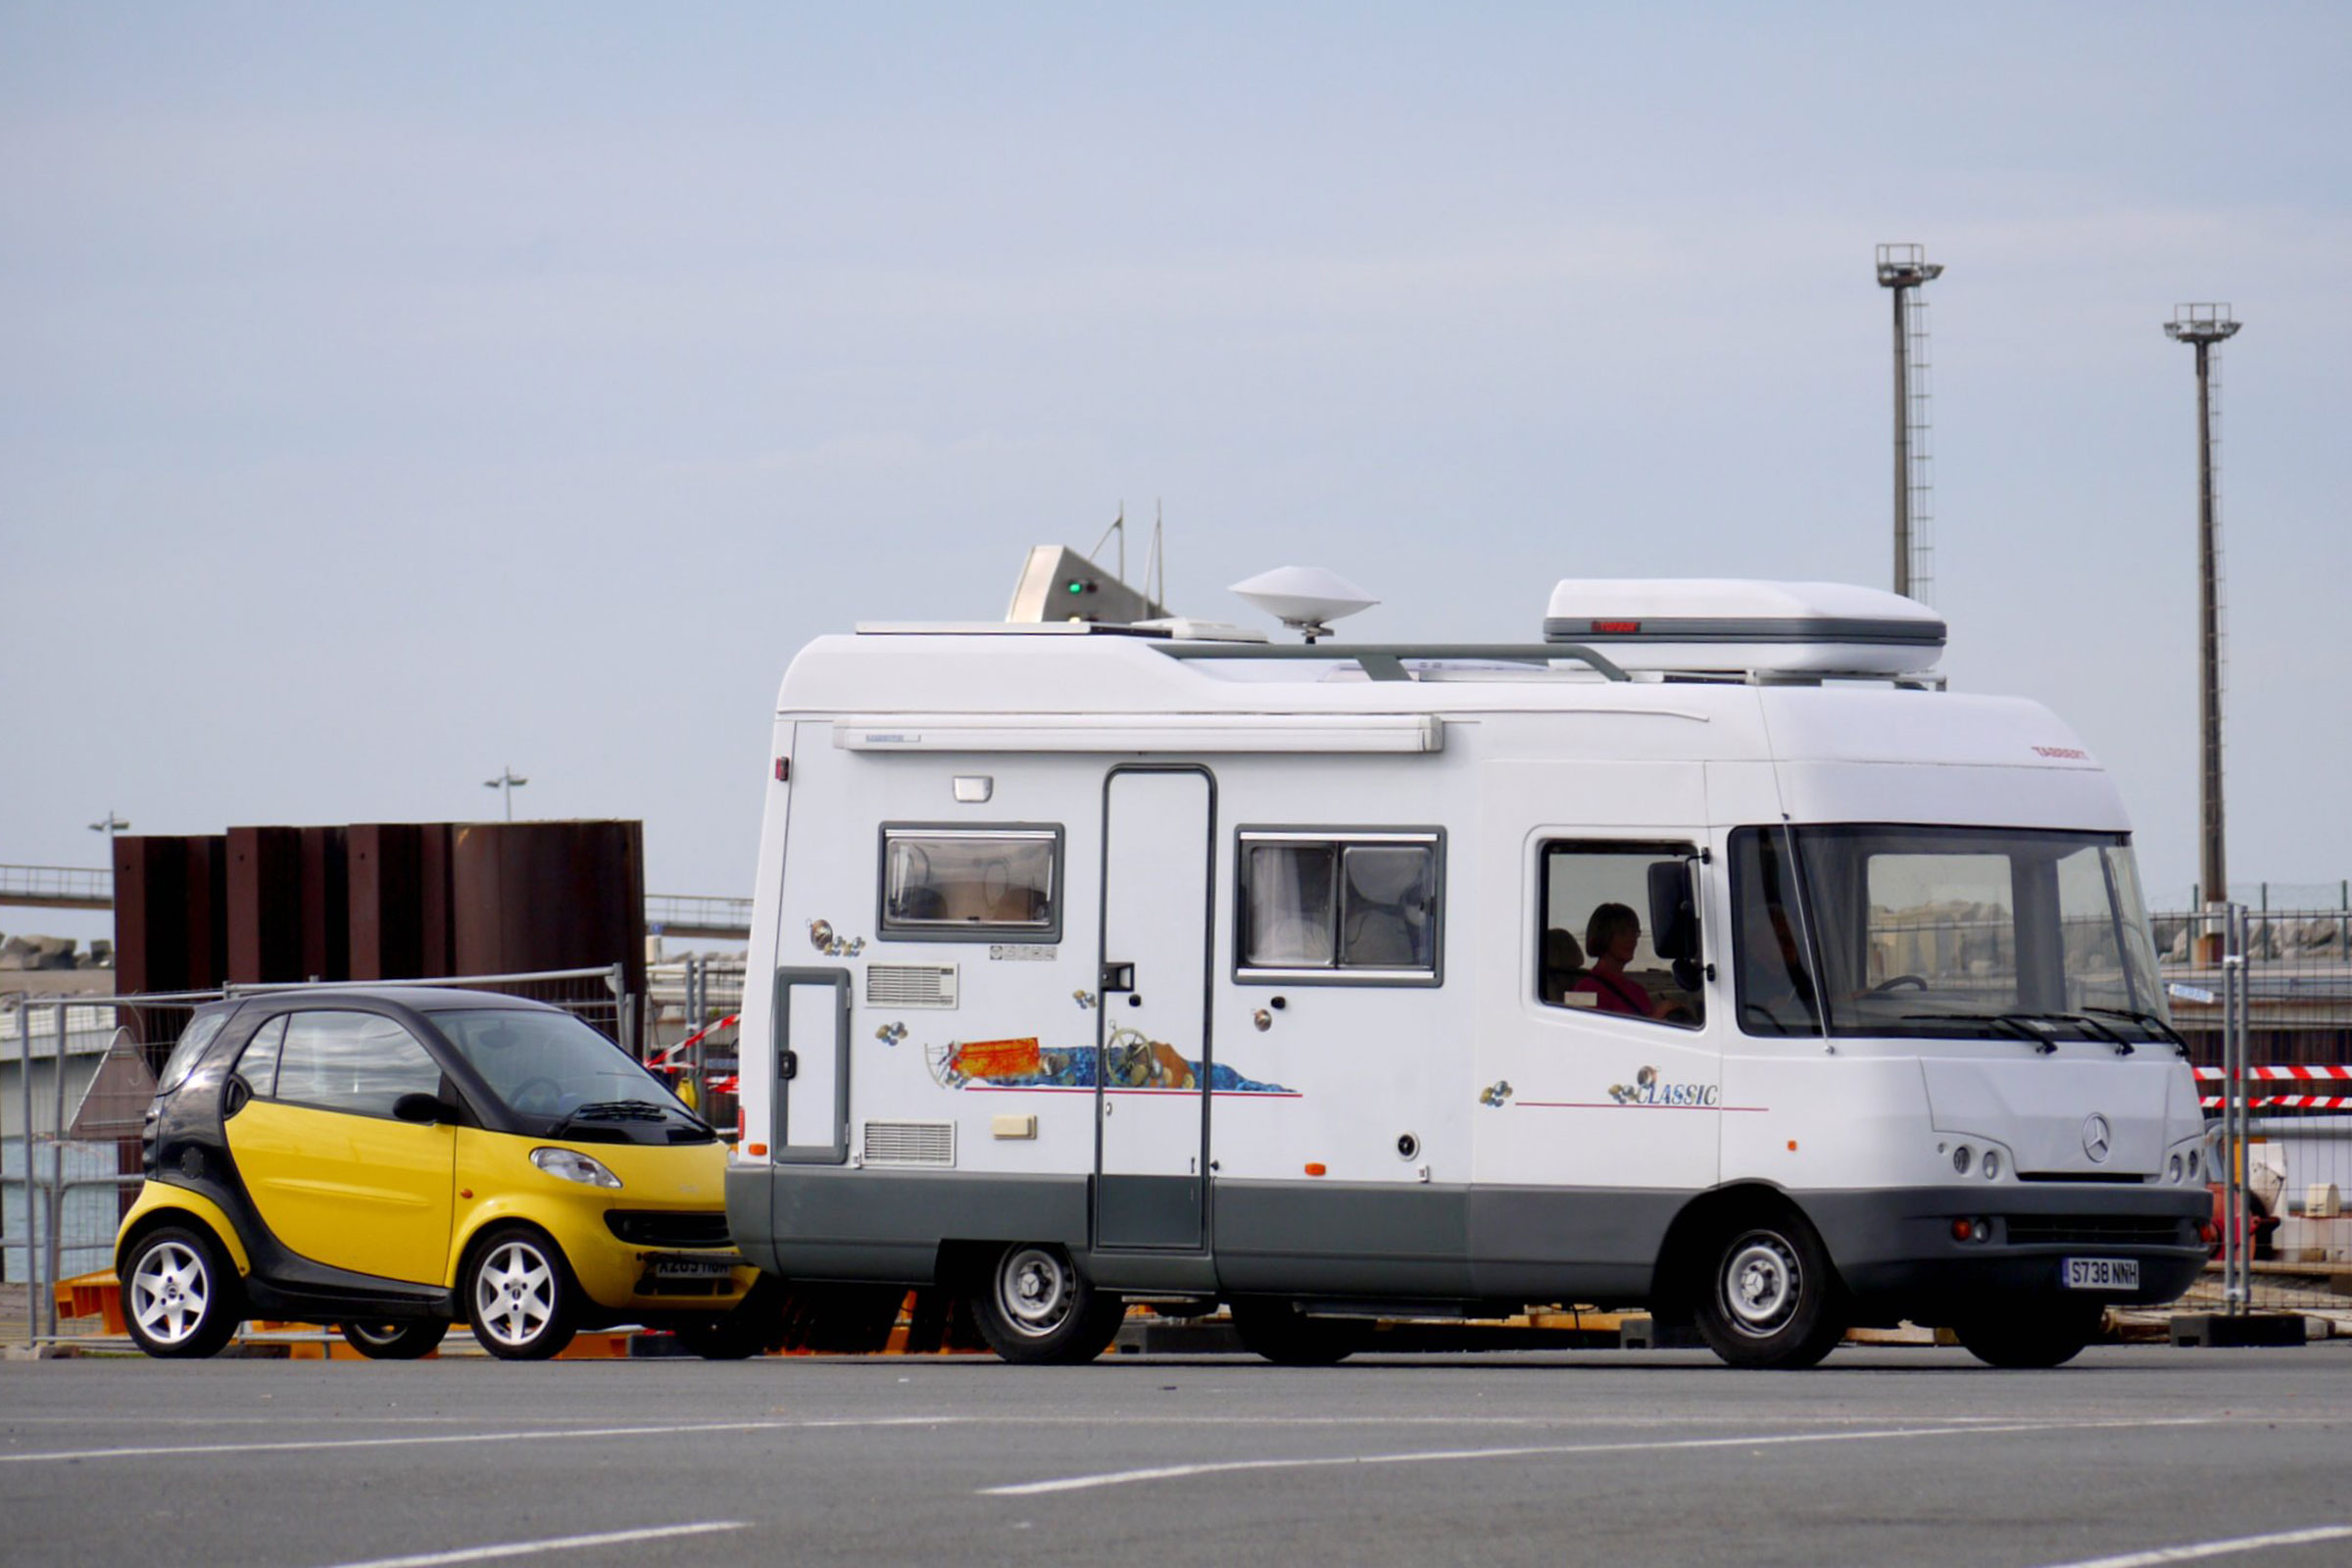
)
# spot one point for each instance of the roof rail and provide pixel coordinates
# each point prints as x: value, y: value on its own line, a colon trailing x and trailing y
x: 1385, y: 660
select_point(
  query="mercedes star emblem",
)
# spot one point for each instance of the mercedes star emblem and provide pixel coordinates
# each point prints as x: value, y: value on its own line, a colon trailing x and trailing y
x: 2097, y: 1138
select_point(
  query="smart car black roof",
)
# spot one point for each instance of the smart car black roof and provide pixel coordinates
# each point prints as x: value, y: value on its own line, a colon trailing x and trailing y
x: 416, y: 999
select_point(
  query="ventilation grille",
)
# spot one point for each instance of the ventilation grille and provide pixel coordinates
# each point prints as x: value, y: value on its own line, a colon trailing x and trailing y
x: 911, y: 1143
x: 911, y: 985
x: 2096, y: 1230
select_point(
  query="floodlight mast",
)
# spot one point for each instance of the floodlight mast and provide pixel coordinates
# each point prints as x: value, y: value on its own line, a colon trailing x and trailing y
x: 1902, y: 268
x: 2204, y: 327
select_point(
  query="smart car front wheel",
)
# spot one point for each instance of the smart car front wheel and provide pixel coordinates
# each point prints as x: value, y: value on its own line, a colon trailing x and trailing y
x: 180, y: 1296
x: 519, y: 1296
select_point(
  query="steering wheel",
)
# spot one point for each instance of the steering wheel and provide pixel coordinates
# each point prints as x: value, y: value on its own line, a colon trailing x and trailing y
x: 1900, y: 982
x: 521, y: 1096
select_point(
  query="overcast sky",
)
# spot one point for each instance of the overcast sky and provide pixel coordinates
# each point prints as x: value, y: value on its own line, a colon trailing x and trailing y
x: 389, y: 394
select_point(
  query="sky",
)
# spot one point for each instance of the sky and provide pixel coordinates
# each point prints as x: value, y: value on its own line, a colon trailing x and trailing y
x: 393, y: 394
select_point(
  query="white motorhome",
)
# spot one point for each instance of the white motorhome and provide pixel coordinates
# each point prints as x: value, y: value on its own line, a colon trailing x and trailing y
x: 1706, y: 955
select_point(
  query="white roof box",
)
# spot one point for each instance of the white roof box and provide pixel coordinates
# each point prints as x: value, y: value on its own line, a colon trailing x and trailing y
x: 1707, y: 624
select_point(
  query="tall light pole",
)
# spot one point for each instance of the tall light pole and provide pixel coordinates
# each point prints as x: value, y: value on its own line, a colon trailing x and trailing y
x: 110, y: 827
x: 506, y: 784
x: 2204, y: 327
x: 1902, y: 268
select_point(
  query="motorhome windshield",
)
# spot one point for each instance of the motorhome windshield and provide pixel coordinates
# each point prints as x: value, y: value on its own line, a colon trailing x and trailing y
x: 1944, y: 932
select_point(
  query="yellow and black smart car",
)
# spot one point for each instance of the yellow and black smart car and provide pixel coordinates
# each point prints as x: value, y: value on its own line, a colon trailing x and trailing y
x: 392, y: 1160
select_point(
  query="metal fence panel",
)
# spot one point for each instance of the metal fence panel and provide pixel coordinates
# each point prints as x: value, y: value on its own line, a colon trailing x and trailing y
x: 2264, y: 997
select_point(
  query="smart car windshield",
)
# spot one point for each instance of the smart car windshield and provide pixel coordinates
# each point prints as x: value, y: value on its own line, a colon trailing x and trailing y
x: 555, y: 1071
x: 1949, y: 932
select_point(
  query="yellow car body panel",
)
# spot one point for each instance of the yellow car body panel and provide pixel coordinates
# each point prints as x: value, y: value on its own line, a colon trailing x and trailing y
x: 366, y: 1194
x: 162, y: 1198
x: 496, y: 1181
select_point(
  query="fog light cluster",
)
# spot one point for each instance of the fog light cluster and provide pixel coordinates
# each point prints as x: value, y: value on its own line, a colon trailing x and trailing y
x: 1993, y: 1163
x: 1976, y: 1230
x: 2173, y: 1168
x: 2193, y: 1164
x: 1962, y: 1157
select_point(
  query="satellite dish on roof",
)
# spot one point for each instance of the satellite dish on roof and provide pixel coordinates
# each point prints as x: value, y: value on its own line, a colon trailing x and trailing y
x: 1305, y: 599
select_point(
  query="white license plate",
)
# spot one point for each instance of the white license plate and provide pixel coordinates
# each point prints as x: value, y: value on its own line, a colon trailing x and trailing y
x: 2102, y: 1273
x: 692, y: 1268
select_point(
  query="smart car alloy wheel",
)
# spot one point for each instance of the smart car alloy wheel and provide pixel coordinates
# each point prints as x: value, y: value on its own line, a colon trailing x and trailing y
x: 518, y: 1292
x: 181, y: 1301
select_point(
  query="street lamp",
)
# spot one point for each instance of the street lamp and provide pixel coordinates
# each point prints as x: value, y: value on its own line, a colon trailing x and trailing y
x: 111, y: 826
x: 2205, y: 327
x: 1902, y: 268
x: 506, y: 784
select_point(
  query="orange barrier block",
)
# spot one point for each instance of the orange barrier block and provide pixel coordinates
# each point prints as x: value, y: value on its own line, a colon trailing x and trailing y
x: 98, y: 1295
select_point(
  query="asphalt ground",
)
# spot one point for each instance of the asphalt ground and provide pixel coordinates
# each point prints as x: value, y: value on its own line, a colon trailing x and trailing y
x: 1909, y: 1456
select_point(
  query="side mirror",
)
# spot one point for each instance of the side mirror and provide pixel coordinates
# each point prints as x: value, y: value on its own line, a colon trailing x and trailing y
x: 427, y: 1110
x: 1673, y: 911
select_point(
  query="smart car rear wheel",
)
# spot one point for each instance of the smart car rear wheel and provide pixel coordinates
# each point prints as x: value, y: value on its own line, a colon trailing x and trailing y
x: 520, y: 1294
x: 394, y: 1342
x: 179, y: 1298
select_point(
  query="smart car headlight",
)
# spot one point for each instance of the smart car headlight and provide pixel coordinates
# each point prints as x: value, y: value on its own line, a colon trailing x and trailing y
x: 573, y: 1166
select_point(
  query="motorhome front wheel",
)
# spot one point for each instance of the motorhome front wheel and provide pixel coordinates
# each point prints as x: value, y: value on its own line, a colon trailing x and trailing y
x: 1772, y: 1296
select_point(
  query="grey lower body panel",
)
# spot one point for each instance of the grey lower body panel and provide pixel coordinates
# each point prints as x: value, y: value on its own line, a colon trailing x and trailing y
x: 838, y: 1222
x: 1893, y: 1250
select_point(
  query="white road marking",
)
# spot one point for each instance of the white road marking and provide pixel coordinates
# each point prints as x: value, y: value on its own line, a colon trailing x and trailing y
x: 524, y: 1548
x: 1125, y: 1478
x: 161, y: 1451
x: 2214, y: 1549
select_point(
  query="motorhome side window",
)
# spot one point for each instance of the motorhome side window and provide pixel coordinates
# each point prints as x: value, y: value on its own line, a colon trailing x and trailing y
x: 1619, y: 931
x: 971, y: 884
x: 1355, y: 906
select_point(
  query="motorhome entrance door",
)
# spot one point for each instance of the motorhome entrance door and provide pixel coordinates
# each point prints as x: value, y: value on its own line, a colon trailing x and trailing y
x: 1151, y: 1098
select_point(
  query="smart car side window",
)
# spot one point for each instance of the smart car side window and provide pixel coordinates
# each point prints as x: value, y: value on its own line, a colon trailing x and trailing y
x: 352, y: 1061
x: 257, y: 1064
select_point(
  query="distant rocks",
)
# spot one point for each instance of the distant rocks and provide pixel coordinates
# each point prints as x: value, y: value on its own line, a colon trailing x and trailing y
x: 54, y: 953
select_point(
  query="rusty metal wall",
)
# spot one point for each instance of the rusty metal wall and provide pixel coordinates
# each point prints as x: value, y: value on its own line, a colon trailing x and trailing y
x: 378, y: 902
x: 531, y: 895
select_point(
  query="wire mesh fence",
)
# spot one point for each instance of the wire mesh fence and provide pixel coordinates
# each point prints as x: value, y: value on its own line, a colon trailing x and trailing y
x: 2264, y: 998
x: 86, y: 1074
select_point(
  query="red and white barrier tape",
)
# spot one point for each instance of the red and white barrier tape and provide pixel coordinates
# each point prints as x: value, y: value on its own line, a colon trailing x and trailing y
x: 2273, y: 1075
x: 663, y: 1060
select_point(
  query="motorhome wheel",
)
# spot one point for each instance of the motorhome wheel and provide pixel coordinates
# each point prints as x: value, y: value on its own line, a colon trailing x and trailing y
x: 2032, y: 1334
x: 1772, y: 1296
x: 1285, y: 1336
x: 1038, y: 1309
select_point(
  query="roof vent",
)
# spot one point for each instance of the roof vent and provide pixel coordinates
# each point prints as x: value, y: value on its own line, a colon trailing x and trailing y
x: 1699, y: 626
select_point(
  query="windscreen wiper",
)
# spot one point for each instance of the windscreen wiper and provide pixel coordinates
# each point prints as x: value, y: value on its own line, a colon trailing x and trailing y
x: 2123, y: 1047
x: 2014, y: 1024
x: 614, y: 1111
x: 2148, y: 1021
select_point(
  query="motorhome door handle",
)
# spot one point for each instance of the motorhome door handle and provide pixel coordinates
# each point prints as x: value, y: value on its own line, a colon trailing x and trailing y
x: 1118, y: 977
x: 788, y: 1065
